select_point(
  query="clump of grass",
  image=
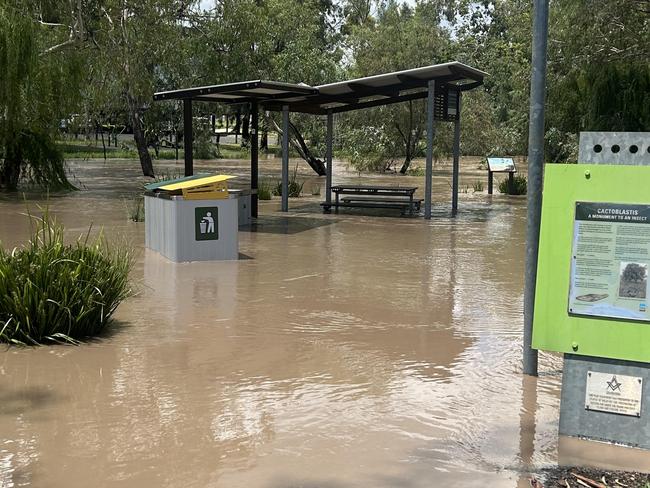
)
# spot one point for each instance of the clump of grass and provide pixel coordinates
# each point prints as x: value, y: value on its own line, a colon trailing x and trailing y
x: 56, y: 292
x: 477, y: 186
x: 295, y: 187
x: 264, y: 190
x: 315, y: 190
x: 519, y: 186
x: 416, y: 171
x: 135, y: 208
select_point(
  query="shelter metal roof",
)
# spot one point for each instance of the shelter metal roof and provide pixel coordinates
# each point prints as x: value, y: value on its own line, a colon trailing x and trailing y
x: 370, y: 91
x: 240, y: 92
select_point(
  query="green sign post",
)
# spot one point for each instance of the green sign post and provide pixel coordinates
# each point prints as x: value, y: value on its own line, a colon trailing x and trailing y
x: 206, y: 223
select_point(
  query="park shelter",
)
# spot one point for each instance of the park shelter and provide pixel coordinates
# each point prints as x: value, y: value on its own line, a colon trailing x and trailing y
x: 441, y: 84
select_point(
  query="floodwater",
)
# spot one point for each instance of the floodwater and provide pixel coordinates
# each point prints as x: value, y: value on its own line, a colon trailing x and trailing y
x: 342, y: 350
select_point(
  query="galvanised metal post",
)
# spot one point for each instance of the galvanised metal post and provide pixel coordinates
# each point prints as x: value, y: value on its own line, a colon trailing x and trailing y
x: 428, y: 174
x: 535, y: 171
x: 254, y: 158
x: 456, y: 169
x: 328, y: 157
x: 285, y: 158
x: 188, y: 137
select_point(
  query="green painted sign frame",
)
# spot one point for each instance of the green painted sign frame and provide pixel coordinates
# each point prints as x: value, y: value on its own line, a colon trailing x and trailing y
x: 553, y: 328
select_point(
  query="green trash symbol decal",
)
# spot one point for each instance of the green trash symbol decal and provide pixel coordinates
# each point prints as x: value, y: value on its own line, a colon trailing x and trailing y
x: 206, y: 223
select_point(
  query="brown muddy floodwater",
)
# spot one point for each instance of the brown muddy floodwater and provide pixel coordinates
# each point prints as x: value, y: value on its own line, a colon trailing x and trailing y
x: 342, y: 350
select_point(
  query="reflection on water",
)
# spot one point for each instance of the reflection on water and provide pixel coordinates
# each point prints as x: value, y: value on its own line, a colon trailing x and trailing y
x: 346, y: 350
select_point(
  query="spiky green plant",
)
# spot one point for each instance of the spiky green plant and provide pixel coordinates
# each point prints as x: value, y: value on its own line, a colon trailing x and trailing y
x: 135, y: 208
x: 56, y: 292
x: 295, y: 186
x: 264, y: 190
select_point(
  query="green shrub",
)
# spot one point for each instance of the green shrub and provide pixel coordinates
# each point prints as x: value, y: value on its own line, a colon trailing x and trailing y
x: 478, y: 186
x: 264, y: 190
x: 519, y: 186
x: 56, y: 292
x: 295, y: 187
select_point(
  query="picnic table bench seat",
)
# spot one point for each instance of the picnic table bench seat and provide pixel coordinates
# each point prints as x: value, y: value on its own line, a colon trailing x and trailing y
x: 400, y: 198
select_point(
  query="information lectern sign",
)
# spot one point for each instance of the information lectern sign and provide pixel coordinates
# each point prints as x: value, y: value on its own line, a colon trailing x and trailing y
x: 609, y: 263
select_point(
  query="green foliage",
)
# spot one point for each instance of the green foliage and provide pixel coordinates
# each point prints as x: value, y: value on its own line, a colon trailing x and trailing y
x: 264, y: 190
x: 561, y: 147
x: 135, y: 208
x: 36, y: 89
x: 295, y: 186
x: 369, y: 148
x: 519, y: 186
x: 477, y: 186
x: 203, y: 147
x: 54, y: 292
x: 416, y: 171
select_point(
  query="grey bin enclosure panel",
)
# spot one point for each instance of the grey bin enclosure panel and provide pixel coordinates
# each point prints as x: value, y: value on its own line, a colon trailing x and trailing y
x: 630, y: 148
x: 244, y: 204
x: 181, y: 230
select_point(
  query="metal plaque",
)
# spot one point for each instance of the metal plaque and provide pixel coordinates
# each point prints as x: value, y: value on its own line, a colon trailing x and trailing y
x: 614, y: 393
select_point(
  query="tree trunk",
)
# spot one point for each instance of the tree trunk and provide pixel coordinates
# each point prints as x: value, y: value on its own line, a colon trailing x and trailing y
x: 10, y: 168
x: 299, y: 144
x: 141, y: 143
x: 245, y: 134
x: 264, y: 140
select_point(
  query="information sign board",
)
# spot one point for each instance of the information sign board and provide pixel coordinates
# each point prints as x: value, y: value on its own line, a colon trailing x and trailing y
x: 501, y: 165
x: 609, y: 264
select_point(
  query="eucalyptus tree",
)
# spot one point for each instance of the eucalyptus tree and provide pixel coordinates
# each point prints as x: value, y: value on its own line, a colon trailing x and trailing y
x: 398, y: 37
x: 138, y: 45
x: 286, y: 40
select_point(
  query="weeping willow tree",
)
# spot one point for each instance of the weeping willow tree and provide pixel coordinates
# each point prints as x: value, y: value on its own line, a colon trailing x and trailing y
x: 37, y: 85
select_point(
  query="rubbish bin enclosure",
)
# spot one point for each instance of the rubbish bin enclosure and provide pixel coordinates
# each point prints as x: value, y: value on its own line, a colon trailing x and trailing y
x: 192, y: 219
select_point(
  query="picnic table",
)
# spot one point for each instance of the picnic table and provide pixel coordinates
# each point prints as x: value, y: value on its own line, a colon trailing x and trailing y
x: 397, y: 197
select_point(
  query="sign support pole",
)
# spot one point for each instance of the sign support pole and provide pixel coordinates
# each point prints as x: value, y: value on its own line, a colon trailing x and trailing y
x: 535, y: 171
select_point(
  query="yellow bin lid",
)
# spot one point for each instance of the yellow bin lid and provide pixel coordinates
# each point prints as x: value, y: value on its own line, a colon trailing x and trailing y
x: 185, y: 185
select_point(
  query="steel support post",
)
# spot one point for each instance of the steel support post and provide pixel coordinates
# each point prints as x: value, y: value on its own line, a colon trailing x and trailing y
x: 254, y: 158
x: 285, y: 158
x: 428, y: 174
x: 328, y: 157
x: 535, y: 171
x: 188, y: 137
x: 456, y: 169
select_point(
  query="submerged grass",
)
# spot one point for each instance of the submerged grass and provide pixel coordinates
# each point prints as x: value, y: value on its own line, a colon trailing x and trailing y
x: 56, y: 292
